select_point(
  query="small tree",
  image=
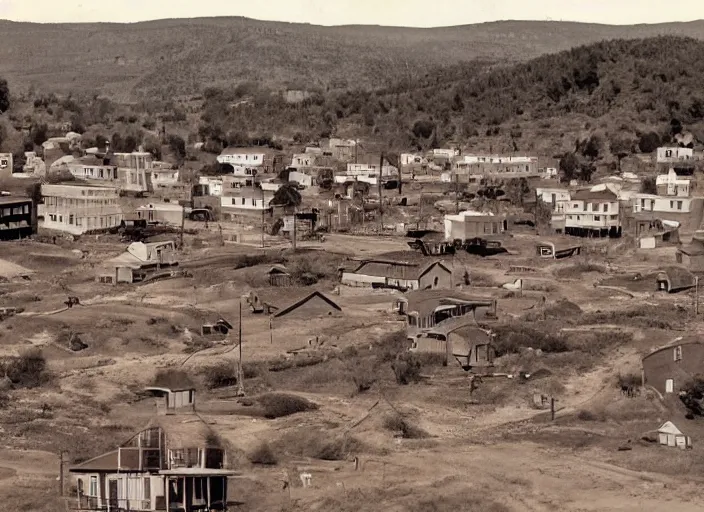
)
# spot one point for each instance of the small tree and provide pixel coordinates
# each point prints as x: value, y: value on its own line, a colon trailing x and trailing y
x: 178, y: 146
x: 649, y: 186
x: 569, y: 163
x: 287, y: 196
x: 649, y: 142
x: 621, y: 147
x: 4, y: 96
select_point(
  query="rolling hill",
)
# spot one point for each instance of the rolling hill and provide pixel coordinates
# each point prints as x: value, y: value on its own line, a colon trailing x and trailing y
x: 170, y: 57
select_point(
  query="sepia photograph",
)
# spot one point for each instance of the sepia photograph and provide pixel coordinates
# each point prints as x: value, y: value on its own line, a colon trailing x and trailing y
x: 351, y: 255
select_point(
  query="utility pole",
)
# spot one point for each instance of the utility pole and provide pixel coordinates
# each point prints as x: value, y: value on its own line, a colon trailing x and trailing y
x: 240, y: 374
x: 379, y: 187
x: 696, y: 295
x: 457, y: 193
x: 61, y: 473
x: 262, y: 217
x: 293, y: 236
x: 183, y: 222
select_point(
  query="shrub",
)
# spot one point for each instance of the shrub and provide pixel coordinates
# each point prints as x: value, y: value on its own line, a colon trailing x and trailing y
x: 318, y: 444
x: 278, y: 405
x: 363, y: 377
x: 629, y: 379
x: 392, y: 345
x: 220, y: 376
x: 510, y: 339
x: 407, y: 368
x: 263, y: 454
x: 4, y: 400
x: 573, y: 271
x: 28, y: 370
x: 396, y: 423
x: 585, y: 415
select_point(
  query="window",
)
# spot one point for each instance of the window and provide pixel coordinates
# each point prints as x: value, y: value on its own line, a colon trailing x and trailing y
x: 70, y: 219
x: 61, y: 218
x: 569, y: 217
x: 595, y: 207
x: 672, y: 204
x: 606, y: 207
x: 614, y: 217
x: 234, y: 200
x: 677, y: 353
x: 597, y: 218
x: 147, y: 488
x: 642, y: 203
x: 254, y: 202
x: 579, y: 217
x: 93, y: 489
x: 52, y: 217
x: 575, y: 205
x: 243, y: 201
x: 586, y: 207
x: 679, y: 205
x: 79, y: 222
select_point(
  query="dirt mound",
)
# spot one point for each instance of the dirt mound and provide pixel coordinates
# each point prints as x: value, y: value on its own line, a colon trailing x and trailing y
x: 562, y: 308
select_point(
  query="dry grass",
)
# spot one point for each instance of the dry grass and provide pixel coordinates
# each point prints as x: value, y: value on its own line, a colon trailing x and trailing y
x: 396, y: 423
x: 318, y: 444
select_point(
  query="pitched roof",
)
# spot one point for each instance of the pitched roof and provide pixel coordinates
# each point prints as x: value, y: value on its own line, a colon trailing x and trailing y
x: 424, y: 302
x: 595, y: 195
x: 396, y: 269
x: 695, y: 248
x: 285, y: 300
x: 669, y: 428
x: 105, y: 462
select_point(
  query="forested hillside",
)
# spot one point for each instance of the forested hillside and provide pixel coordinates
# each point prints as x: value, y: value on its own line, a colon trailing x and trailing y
x: 162, y: 59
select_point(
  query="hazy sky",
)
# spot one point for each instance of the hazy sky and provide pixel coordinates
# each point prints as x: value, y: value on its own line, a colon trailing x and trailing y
x: 417, y: 13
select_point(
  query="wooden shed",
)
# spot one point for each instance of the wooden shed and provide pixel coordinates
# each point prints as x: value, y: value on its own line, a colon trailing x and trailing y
x: 670, y: 435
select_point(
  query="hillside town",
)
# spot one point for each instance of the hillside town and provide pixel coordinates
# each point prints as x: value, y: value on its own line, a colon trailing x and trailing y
x: 489, y: 264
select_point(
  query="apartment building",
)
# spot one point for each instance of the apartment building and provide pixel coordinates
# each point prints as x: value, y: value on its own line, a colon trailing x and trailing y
x: 79, y: 209
x: 478, y: 167
x: 15, y: 218
x: 593, y: 212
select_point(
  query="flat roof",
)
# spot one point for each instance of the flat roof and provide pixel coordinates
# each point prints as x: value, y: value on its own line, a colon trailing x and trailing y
x: 197, y: 472
x: 13, y: 199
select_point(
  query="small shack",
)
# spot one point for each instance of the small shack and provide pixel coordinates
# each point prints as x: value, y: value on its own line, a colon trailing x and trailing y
x: 692, y: 256
x: 670, y: 435
x: 279, y: 276
x: 173, y: 401
x: 675, y: 279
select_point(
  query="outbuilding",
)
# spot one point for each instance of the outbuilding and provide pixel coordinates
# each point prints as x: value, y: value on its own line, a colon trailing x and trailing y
x: 379, y: 273
x: 670, y: 435
x: 669, y: 368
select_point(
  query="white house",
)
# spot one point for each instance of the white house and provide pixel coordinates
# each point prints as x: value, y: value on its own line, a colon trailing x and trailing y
x: 674, y: 154
x: 242, y: 157
x: 370, y: 170
x: 448, y: 154
x: 671, y: 184
x: 247, y: 199
x: 553, y: 196
x: 594, y: 211
x: 495, y: 166
x: 658, y: 204
x: 303, y: 160
x: 300, y: 178
x: 215, y: 185
x: 412, y: 160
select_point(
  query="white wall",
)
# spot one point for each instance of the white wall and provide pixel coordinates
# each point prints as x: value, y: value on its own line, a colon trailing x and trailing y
x: 246, y: 159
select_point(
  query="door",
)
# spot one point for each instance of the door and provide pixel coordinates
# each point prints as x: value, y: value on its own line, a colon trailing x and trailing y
x: 112, y: 495
x: 669, y: 386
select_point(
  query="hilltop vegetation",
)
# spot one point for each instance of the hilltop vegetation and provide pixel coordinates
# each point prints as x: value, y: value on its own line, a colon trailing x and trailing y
x: 162, y: 59
x: 629, y: 94
x: 597, y: 103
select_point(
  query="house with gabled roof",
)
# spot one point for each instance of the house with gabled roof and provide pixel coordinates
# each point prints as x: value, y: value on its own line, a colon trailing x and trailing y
x: 402, y: 275
x: 170, y: 465
x: 292, y: 302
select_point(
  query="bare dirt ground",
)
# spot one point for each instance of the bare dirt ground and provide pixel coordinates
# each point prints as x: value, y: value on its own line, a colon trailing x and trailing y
x: 487, y: 450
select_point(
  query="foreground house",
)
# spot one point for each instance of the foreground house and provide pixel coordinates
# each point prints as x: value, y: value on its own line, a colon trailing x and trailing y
x: 160, y: 468
x: 669, y: 368
x: 79, y: 209
x: 426, y: 309
x: 138, y: 262
x: 15, y: 218
x: 378, y: 273
x: 468, y: 343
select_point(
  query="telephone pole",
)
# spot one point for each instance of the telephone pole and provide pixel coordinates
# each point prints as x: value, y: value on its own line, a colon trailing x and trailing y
x: 240, y: 373
x: 381, y: 207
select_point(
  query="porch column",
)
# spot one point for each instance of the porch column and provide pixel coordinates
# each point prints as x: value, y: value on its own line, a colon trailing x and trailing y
x: 208, y: 493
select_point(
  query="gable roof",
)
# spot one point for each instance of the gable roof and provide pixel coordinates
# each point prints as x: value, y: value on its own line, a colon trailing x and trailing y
x: 305, y: 299
x: 669, y: 428
x: 396, y: 269
x: 105, y: 462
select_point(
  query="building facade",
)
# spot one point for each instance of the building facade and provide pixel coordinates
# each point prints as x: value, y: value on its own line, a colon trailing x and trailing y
x: 478, y: 167
x: 593, y: 212
x: 15, y: 218
x: 77, y: 209
x: 667, y: 155
x: 669, y: 368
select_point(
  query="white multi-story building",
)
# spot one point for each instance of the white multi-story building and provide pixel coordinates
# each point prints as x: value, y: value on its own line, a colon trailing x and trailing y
x: 671, y: 184
x: 78, y: 209
x: 370, y: 170
x: 477, y: 167
x: 593, y: 212
x: 242, y: 157
x: 674, y: 154
x: 641, y: 203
